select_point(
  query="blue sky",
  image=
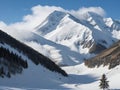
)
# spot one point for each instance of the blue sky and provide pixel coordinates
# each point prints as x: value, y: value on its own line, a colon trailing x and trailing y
x: 13, y: 10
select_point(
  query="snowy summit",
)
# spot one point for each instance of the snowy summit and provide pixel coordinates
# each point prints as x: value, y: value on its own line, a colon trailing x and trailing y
x: 61, y: 52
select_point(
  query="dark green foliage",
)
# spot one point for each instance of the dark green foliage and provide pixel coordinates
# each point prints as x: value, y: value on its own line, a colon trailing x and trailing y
x: 33, y: 55
x: 8, y: 75
x: 14, y: 63
x: 103, y: 82
x: 2, y: 72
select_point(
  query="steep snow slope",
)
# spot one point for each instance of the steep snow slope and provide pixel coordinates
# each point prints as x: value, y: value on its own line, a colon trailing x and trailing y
x: 50, y: 23
x: 114, y: 26
x: 60, y: 54
x: 34, y: 77
x: 84, y: 36
x: 39, y: 69
x: 36, y: 57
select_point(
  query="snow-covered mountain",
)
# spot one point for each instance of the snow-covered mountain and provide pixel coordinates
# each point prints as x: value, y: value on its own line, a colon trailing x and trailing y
x: 60, y: 54
x: 16, y: 56
x: 66, y: 40
x: 91, y: 35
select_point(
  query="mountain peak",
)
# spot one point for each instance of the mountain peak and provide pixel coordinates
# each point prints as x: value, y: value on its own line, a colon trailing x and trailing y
x: 62, y: 27
x: 57, y: 13
x: 51, y: 22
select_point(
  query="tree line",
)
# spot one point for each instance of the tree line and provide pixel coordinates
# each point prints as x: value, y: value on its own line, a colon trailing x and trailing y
x: 10, y: 63
x: 33, y: 55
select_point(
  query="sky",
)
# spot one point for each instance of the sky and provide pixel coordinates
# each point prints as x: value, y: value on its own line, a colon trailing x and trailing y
x: 12, y: 11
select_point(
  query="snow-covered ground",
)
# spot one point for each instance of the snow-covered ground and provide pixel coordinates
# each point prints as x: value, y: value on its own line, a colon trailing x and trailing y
x: 88, y: 79
x: 80, y: 78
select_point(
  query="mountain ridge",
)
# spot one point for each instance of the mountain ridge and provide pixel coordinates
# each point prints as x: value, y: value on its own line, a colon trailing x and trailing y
x: 86, y: 33
x: 36, y: 57
x: 109, y: 57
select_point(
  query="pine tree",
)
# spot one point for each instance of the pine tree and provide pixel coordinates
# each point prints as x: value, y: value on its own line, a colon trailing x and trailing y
x: 103, y: 82
x: 8, y: 75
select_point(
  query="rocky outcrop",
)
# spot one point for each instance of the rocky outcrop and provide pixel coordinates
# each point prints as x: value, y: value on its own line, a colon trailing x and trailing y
x: 109, y: 57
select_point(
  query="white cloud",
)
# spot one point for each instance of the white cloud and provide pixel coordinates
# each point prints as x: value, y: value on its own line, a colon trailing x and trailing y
x: 2, y: 25
x: 82, y: 12
x: 39, y: 13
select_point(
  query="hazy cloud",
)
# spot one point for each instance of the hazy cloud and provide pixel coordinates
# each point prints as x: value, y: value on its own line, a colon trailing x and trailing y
x: 39, y: 13
x: 82, y: 12
x: 2, y: 25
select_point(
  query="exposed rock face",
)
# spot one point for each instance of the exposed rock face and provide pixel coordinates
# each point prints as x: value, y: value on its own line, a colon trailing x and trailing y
x: 97, y: 48
x: 110, y: 57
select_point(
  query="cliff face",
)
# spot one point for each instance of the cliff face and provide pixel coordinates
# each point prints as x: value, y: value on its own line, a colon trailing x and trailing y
x: 110, y: 57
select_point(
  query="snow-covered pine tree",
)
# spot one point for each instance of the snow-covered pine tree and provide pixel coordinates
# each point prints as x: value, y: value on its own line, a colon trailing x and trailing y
x: 104, y: 83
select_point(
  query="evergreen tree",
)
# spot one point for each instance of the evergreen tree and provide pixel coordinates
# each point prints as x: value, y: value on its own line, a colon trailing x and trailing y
x: 8, y: 75
x: 103, y: 82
